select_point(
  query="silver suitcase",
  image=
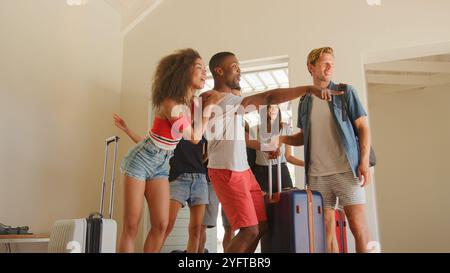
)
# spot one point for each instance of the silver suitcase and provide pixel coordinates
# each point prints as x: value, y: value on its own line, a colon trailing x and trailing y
x: 94, y: 234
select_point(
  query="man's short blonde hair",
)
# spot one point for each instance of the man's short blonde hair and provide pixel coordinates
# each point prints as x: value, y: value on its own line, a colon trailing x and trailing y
x: 315, y: 54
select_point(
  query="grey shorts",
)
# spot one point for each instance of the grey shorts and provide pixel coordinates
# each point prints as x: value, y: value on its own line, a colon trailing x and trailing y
x: 190, y: 188
x: 212, y: 209
x: 225, y: 222
x: 344, y: 186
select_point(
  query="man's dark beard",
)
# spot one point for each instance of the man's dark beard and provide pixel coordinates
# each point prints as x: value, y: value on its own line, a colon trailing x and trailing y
x: 233, y: 85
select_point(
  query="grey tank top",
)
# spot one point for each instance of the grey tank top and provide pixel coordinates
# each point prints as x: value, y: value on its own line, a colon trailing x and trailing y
x: 226, y: 136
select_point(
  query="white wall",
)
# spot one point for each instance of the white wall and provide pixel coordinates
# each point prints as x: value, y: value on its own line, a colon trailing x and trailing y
x: 262, y: 28
x: 411, y: 133
x: 60, y: 81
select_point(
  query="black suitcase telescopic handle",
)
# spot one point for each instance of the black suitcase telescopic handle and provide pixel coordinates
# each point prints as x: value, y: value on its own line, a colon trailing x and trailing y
x: 275, y: 199
x: 115, y: 140
x: 112, y: 139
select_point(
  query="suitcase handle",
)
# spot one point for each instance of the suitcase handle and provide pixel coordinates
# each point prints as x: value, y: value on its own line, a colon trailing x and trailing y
x: 95, y: 215
x: 274, y: 197
x: 115, y: 140
x: 112, y: 139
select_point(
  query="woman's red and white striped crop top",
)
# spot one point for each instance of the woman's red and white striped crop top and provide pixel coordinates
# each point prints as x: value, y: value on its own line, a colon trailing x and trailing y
x: 167, y: 133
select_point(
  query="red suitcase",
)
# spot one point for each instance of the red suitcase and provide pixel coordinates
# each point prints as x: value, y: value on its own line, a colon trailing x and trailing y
x: 341, y: 230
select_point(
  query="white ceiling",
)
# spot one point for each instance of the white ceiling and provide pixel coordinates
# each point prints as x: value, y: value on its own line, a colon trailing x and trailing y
x: 409, y: 74
x: 132, y: 11
x: 394, y: 76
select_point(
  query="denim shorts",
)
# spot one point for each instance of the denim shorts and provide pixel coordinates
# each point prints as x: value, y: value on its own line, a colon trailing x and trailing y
x: 191, y: 188
x: 145, y: 161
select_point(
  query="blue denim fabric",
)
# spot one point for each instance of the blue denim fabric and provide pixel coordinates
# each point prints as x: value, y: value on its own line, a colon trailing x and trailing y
x: 145, y: 161
x: 191, y: 188
x: 344, y: 125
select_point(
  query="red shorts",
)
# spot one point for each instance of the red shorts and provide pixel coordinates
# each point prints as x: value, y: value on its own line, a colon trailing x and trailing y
x: 240, y: 195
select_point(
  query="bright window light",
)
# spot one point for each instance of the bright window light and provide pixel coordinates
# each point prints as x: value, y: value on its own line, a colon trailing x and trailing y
x: 260, y: 77
x: 76, y: 2
x: 374, y: 2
